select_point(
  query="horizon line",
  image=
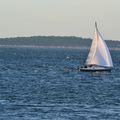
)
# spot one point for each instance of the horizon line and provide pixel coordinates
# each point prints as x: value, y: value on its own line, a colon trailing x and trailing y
x: 13, y: 37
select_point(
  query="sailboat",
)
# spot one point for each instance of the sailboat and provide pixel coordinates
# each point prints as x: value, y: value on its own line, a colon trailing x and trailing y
x: 99, y: 58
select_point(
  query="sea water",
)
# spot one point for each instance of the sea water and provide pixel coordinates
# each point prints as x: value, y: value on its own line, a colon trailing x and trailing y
x: 45, y: 84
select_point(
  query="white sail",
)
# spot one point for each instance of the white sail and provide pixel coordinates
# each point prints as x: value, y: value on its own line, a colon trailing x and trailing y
x: 99, y: 53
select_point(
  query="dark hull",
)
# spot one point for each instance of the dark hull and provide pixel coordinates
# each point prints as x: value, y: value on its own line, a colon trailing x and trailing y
x: 107, y: 70
x: 95, y: 69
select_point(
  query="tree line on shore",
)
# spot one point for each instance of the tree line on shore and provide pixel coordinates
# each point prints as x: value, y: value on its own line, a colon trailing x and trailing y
x: 65, y: 41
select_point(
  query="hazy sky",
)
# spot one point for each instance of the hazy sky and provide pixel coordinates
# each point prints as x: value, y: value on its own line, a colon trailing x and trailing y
x: 59, y: 17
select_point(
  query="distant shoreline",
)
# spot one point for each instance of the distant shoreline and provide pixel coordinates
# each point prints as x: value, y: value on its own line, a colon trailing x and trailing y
x: 53, y: 42
x: 51, y: 36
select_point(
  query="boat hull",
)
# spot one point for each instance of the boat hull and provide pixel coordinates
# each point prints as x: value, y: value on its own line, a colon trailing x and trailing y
x: 95, y: 69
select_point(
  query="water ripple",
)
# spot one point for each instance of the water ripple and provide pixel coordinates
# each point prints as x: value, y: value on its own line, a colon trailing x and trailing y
x: 44, y: 84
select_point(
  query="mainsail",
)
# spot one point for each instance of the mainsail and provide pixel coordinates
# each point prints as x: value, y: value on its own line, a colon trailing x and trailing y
x: 99, y: 53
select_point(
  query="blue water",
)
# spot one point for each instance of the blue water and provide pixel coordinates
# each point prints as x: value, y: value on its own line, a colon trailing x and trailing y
x: 44, y: 84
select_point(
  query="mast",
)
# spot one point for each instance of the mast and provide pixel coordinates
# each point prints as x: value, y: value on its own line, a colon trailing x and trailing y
x: 96, y: 26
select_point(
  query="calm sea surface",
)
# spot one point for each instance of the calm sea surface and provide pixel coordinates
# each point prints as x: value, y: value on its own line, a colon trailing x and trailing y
x: 44, y: 84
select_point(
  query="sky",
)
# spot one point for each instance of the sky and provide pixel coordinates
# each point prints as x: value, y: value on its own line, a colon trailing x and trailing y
x: 59, y: 18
